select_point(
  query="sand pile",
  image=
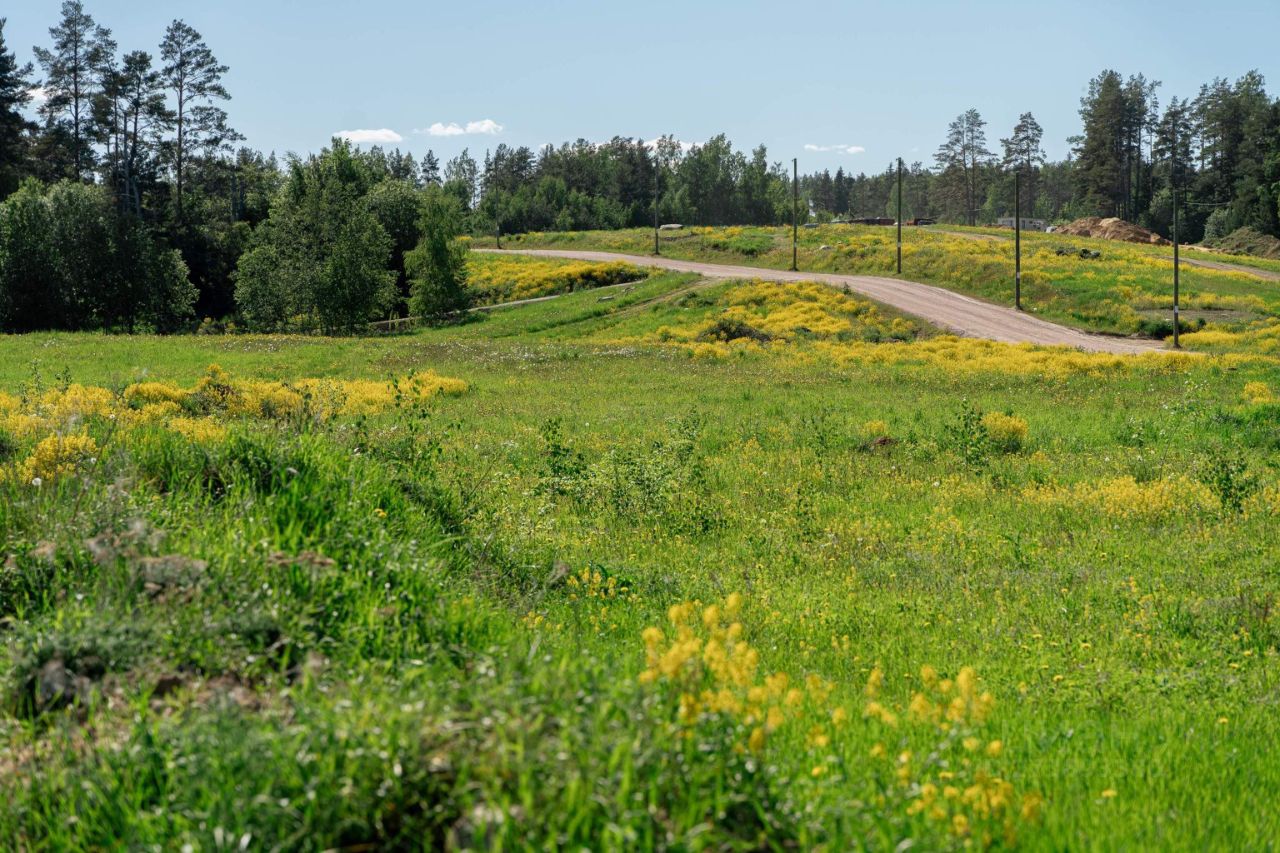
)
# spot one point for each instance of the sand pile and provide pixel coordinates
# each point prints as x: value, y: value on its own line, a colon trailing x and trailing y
x: 1111, y: 228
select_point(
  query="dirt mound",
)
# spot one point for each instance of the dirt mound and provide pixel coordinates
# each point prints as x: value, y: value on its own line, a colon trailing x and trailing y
x: 1111, y: 228
x: 1247, y: 241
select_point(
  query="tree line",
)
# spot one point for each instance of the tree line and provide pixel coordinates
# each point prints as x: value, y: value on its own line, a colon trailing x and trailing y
x: 130, y: 202
x: 1218, y: 154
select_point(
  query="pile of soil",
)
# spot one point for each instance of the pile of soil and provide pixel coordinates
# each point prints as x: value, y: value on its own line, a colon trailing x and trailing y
x: 1248, y: 241
x: 1111, y: 228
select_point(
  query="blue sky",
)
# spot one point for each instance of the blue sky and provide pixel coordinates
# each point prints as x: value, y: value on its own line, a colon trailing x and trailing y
x: 858, y: 83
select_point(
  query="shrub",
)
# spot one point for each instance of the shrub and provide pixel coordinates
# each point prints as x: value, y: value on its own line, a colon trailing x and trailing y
x: 437, y: 268
x: 967, y: 436
x: 1006, y: 432
x: 1227, y: 476
x: 1218, y: 225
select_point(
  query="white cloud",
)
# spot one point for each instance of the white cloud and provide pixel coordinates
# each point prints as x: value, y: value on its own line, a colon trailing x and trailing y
x: 486, y: 126
x: 840, y: 149
x: 686, y: 147
x: 38, y: 94
x: 382, y: 134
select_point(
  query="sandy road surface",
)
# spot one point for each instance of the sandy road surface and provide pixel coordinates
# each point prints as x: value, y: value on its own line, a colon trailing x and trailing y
x: 954, y: 312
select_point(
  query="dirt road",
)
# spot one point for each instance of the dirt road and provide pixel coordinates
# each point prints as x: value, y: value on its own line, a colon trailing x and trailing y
x: 1269, y: 275
x: 953, y: 312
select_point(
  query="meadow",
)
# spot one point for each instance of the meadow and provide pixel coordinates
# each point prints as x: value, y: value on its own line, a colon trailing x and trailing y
x: 684, y: 564
x: 1126, y: 290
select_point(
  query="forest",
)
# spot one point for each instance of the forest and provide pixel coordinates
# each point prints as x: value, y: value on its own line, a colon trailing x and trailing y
x: 131, y: 203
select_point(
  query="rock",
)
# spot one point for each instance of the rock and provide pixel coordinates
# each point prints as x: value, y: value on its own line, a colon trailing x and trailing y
x: 167, y: 684
x: 58, y: 687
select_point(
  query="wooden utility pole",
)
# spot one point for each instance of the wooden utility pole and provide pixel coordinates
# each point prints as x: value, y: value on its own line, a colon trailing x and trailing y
x: 795, y: 210
x: 657, y: 165
x: 1017, y: 240
x: 1173, y: 181
x: 899, y: 216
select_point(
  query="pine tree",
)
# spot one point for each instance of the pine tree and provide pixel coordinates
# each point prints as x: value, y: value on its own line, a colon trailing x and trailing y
x: 430, y: 170
x: 964, y: 155
x: 194, y: 77
x: 15, y: 94
x: 1022, y: 152
x: 145, y: 117
x: 81, y: 49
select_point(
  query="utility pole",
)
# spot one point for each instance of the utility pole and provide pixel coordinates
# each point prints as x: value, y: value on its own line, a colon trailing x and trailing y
x: 795, y: 210
x: 1017, y: 240
x: 899, y: 216
x: 657, y: 165
x: 1173, y: 180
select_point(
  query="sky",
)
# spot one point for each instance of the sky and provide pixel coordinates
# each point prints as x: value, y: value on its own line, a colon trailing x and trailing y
x: 852, y: 84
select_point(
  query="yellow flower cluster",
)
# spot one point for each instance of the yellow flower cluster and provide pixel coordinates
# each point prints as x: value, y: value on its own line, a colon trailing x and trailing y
x: 603, y: 593
x: 1261, y: 337
x: 713, y: 672
x: 1142, y: 300
x: 216, y: 394
x: 55, y: 457
x: 716, y: 671
x: 205, y: 430
x: 1258, y: 392
x: 793, y: 311
x: 57, y: 417
x: 951, y: 785
x: 1006, y: 432
x: 875, y: 429
x: 502, y: 278
x: 592, y: 583
x: 948, y: 703
x: 1127, y: 499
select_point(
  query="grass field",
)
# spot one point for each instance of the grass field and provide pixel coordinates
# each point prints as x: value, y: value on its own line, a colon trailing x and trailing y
x: 1128, y: 290
x: 687, y: 565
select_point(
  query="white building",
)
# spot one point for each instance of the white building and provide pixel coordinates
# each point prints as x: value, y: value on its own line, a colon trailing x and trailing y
x: 1027, y: 224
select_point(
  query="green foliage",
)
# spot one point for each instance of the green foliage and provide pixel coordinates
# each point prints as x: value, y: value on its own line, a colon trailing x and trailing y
x: 1217, y: 226
x: 565, y: 469
x: 966, y: 436
x: 437, y: 268
x: 15, y: 85
x: 1227, y: 475
x: 321, y: 259
x: 69, y: 260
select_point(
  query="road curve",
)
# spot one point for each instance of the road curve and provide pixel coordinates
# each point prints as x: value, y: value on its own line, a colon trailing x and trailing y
x: 953, y: 312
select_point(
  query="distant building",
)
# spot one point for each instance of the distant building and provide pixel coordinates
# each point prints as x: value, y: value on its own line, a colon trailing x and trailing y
x: 1027, y: 224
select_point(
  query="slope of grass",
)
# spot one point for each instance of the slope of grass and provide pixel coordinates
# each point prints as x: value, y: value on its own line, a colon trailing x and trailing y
x: 620, y: 592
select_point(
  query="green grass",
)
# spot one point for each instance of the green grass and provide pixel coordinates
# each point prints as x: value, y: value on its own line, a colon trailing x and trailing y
x: 1112, y: 294
x: 385, y: 641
